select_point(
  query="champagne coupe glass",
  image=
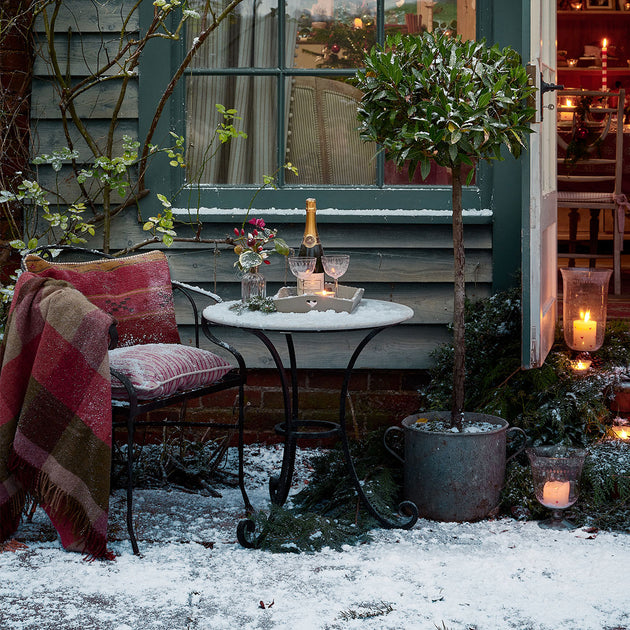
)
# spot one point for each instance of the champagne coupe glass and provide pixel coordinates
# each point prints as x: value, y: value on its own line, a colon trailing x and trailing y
x: 302, y: 266
x: 335, y: 265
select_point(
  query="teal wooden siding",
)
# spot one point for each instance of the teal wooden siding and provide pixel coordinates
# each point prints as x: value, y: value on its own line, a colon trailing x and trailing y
x: 409, y: 261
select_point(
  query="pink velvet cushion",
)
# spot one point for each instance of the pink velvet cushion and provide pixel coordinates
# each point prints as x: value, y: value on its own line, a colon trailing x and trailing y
x: 157, y: 370
x: 135, y: 290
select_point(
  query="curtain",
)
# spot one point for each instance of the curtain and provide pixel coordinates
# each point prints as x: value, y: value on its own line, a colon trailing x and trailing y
x: 248, y: 39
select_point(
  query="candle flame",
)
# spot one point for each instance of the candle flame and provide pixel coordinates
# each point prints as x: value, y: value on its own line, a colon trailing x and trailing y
x: 605, y: 42
x: 569, y: 103
x: 358, y: 22
x: 585, y: 316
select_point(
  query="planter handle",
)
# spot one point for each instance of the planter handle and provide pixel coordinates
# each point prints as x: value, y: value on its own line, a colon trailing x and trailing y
x: 388, y: 448
x: 522, y: 447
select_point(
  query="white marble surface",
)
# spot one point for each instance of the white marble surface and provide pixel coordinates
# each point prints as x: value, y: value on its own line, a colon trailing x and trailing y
x: 368, y: 314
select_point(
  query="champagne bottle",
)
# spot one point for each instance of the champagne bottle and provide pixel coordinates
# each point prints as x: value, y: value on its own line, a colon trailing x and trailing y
x: 311, y: 246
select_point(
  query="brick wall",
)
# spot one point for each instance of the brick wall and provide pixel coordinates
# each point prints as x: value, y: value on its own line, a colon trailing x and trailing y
x: 376, y: 399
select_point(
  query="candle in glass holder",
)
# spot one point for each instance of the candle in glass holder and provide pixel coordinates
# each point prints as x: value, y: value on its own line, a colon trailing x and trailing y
x: 581, y: 365
x: 621, y: 432
x: 556, y: 494
x: 585, y: 332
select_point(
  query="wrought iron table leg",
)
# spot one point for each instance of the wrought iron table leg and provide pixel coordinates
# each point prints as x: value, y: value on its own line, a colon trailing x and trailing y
x: 406, y: 506
x: 279, y: 486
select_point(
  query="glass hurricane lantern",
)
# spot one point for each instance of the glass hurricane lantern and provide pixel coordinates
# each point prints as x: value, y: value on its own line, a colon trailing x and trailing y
x: 584, y: 303
x: 556, y: 471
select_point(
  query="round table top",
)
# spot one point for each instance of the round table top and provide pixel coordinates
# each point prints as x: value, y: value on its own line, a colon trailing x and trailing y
x: 368, y: 314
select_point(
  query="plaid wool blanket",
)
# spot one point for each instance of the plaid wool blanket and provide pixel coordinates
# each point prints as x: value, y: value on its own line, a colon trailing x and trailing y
x: 55, y: 413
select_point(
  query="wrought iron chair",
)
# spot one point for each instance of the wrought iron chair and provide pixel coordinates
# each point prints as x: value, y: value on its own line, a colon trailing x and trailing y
x: 587, y: 178
x: 149, y: 341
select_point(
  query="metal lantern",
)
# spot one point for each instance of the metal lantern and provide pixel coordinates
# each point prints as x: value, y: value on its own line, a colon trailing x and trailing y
x: 584, y: 302
x: 556, y: 471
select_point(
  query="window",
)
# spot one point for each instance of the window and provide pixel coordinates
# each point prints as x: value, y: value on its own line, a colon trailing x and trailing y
x: 286, y: 68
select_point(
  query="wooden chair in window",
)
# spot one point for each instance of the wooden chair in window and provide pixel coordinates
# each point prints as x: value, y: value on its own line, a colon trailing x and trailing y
x: 150, y: 368
x: 590, y: 168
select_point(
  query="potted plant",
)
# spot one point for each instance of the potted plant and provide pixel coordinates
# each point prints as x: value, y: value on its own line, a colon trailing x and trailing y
x: 434, y: 98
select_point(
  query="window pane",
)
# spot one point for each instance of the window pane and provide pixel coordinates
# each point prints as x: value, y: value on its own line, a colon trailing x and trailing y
x: 247, y: 39
x: 417, y: 15
x: 333, y: 34
x: 322, y: 139
x: 240, y: 161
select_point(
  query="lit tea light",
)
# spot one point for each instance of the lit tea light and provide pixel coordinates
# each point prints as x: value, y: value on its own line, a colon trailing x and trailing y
x: 581, y: 365
x: 358, y: 22
x: 325, y: 293
x: 572, y: 63
x: 585, y: 332
x: 620, y: 432
x: 556, y: 494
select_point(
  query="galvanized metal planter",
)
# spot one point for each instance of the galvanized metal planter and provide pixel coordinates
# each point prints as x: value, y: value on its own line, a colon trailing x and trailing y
x: 454, y: 476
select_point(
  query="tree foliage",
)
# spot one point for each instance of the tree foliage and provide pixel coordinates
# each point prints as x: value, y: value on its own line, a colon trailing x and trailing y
x: 436, y: 98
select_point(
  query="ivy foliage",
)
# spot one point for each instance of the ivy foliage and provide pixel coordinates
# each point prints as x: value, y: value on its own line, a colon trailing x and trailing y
x: 551, y: 403
x: 436, y: 98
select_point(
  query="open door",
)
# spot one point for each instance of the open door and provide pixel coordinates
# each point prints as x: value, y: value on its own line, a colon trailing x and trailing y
x: 539, y: 242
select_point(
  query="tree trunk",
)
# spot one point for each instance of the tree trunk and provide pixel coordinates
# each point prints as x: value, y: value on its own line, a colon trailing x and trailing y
x: 459, y: 343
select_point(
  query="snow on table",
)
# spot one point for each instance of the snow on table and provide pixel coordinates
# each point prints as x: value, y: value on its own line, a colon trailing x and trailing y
x: 368, y: 314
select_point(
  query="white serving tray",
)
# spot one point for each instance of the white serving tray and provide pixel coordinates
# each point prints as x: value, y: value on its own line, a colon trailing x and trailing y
x: 346, y: 300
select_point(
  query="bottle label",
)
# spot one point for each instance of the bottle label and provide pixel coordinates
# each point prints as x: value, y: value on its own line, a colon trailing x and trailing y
x: 312, y: 285
x: 309, y: 240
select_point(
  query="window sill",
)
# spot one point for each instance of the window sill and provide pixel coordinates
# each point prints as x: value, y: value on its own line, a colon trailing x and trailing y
x: 334, y: 215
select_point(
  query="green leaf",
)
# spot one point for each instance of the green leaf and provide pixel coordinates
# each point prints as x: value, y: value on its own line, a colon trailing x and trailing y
x: 281, y: 247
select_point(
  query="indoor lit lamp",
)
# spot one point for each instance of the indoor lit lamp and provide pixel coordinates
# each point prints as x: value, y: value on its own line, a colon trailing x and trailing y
x: 556, y: 472
x: 584, y: 303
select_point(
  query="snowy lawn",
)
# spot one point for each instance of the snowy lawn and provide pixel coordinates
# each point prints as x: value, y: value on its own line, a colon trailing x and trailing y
x: 492, y: 575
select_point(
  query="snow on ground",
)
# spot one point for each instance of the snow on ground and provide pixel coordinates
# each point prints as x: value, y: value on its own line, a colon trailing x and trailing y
x: 193, y: 575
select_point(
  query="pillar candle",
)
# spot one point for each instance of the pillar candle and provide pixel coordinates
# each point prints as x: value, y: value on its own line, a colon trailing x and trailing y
x: 556, y: 494
x: 605, y: 66
x: 585, y: 333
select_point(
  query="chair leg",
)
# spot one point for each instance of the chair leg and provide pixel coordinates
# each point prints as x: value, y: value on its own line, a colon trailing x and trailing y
x: 593, y: 234
x: 130, y: 441
x: 574, y: 217
x: 617, y: 247
x: 241, y: 448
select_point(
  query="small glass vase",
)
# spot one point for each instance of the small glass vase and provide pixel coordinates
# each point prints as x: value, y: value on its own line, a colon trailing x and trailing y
x: 253, y: 284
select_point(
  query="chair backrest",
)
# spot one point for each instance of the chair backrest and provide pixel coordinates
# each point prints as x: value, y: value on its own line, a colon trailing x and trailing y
x: 323, y: 142
x: 135, y: 290
x: 590, y: 141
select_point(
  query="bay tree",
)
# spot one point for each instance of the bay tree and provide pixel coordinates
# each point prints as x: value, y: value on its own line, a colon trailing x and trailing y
x: 434, y: 98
